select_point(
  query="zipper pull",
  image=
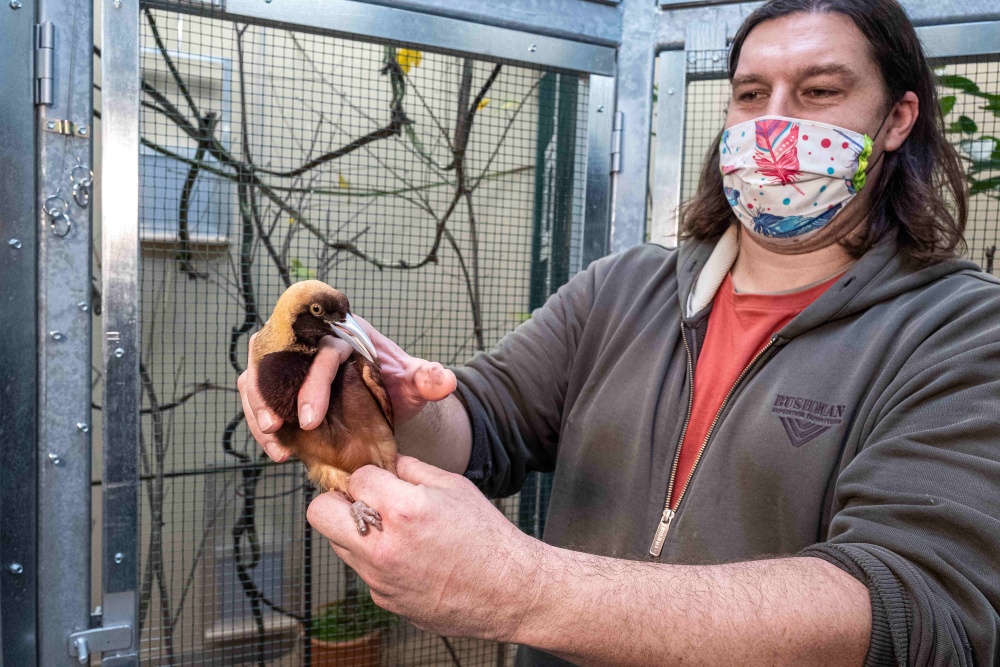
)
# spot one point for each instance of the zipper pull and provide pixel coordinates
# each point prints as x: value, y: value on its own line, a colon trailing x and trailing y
x: 661, y: 532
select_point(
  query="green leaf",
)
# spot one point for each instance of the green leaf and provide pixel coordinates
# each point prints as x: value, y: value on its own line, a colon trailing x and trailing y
x: 965, y: 125
x: 985, y: 185
x: 346, y: 620
x: 947, y: 104
x: 521, y: 317
x: 300, y: 271
x: 985, y: 165
x: 959, y: 82
x: 992, y: 103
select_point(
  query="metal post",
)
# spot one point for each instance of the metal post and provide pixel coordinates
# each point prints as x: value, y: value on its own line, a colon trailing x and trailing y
x: 597, y: 217
x: 64, y: 70
x: 18, y: 338
x: 120, y: 252
x: 635, y: 100
x: 668, y: 169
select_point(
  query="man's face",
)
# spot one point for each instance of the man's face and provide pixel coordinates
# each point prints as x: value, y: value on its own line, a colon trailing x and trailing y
x: 815, y: 67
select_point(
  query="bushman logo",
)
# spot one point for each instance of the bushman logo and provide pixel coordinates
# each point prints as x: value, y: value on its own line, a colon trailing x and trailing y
x: 805, y: 419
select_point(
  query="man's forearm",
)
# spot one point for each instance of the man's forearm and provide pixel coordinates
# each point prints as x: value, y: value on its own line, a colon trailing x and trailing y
x: 594, y: 610
x: 440, y: 434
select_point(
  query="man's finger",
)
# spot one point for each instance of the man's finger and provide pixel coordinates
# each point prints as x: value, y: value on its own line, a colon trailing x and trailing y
x: 314, y: 395
x: 270, y: 445
x: 433, y: 381
x: 330, y: 514
x: 266, y: 420
x: 253, y: 404
x: 375, y: 486
x: 415, y: 471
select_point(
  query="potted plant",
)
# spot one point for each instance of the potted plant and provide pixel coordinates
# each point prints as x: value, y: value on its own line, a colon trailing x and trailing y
x: 348, y: 633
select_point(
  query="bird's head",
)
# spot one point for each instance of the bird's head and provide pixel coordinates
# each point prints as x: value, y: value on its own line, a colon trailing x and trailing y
x: 313, y: 309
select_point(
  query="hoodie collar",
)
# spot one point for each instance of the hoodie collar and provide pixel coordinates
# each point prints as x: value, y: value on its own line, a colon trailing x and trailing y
x: 881, y: 274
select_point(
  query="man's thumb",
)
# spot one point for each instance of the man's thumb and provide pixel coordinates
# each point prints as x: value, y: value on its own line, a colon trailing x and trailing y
x: 433, y: 381
x: 415, y: 471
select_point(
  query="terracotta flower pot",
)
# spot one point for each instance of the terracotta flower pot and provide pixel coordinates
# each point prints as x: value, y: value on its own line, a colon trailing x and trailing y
x: 365, y: 651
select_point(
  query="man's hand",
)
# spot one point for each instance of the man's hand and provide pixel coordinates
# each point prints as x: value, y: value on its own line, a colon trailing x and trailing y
x: 446, y: 559
x: 411, y: 383
x: 453, y: 565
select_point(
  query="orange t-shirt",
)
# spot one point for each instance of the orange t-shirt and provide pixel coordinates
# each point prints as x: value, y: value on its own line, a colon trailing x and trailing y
x: 739, y: 326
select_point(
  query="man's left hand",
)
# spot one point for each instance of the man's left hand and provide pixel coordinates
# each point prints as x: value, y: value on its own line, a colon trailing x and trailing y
x: 446, y: 558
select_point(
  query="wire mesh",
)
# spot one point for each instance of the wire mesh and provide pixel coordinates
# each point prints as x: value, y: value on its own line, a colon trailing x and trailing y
x: 970, y: 102
x: 969, y: 93
x: 442, y: 194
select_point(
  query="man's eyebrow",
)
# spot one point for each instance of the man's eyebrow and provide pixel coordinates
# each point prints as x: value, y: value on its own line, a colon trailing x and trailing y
x: 827, y: 69
x: 835, y: 69
x: 747, y: 79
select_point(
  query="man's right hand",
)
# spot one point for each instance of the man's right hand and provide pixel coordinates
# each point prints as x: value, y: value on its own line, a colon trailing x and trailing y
x: 411, y: 383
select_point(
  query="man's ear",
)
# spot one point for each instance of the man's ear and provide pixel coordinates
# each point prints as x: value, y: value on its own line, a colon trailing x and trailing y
x: 901, y: 120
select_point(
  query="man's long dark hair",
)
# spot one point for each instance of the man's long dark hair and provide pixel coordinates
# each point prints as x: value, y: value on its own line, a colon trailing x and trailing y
x: 920, y: 196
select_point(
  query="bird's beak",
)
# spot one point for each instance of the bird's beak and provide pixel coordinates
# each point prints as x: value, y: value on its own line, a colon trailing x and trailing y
x: 356, y: 337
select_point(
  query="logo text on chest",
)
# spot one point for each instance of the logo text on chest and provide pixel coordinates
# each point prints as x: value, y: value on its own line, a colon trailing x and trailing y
x: 805, y: 419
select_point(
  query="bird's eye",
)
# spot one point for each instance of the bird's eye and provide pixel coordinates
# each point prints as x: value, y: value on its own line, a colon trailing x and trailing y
x: 316, y: 309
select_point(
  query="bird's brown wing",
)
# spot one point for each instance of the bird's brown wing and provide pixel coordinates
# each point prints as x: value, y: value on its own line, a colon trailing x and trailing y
x: 371, y: 375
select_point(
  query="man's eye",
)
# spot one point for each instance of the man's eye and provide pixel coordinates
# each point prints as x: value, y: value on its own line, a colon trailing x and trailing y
x: 821, y: 92
x: 749, y: 96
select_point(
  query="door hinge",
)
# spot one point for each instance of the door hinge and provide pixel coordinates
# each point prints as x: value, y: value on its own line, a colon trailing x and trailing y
x: 616, y: 142
x: 98, y: 640
x: 45, y: 44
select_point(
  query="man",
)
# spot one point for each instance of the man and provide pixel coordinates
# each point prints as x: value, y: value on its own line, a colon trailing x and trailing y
x: 775, y: 445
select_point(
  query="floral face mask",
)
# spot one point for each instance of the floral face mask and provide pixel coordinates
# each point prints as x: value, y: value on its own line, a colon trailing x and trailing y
x: 786, y: 177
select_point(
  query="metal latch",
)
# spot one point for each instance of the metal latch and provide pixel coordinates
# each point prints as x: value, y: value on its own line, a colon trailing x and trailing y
x: 45, y: 44
x: 99, y: 640
x: 67, y: 127
x: 616, y: 142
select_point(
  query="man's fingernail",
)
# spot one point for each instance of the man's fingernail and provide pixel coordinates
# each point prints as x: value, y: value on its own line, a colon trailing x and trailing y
x: 264, y: 420
x: 306, y: 414
x: 271, y: 449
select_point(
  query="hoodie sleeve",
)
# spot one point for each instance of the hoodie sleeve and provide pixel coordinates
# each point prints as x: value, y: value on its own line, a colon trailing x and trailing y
x: 918, y: 509
x: 515, y: 393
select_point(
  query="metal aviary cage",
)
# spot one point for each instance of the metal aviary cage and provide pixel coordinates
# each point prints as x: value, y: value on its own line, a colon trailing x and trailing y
x: 442, y: 190
x: 447, y: 164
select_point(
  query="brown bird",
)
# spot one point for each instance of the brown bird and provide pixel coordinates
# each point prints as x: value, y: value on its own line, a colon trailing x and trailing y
x: 358, y: 429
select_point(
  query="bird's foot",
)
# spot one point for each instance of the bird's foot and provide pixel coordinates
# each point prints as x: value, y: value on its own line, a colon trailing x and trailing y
x: 365, y: 516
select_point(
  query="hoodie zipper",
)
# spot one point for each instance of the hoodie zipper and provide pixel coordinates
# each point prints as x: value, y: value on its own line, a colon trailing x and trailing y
x: 668, y: 514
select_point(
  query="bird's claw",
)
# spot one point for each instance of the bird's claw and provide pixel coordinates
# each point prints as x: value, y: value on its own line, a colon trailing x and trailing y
x: 365, y: 516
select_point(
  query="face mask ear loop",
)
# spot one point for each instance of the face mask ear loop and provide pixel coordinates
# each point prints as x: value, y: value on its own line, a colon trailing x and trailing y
x: 879, y: 130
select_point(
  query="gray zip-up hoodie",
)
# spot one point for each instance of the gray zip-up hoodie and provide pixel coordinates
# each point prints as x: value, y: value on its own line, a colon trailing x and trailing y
x: 867, y: 434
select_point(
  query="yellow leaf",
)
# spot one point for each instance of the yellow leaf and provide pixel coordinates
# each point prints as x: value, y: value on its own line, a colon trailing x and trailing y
x: 482, y: 104
x: 342, y: 181
x: 291, y: 221
x: 408, y: 58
